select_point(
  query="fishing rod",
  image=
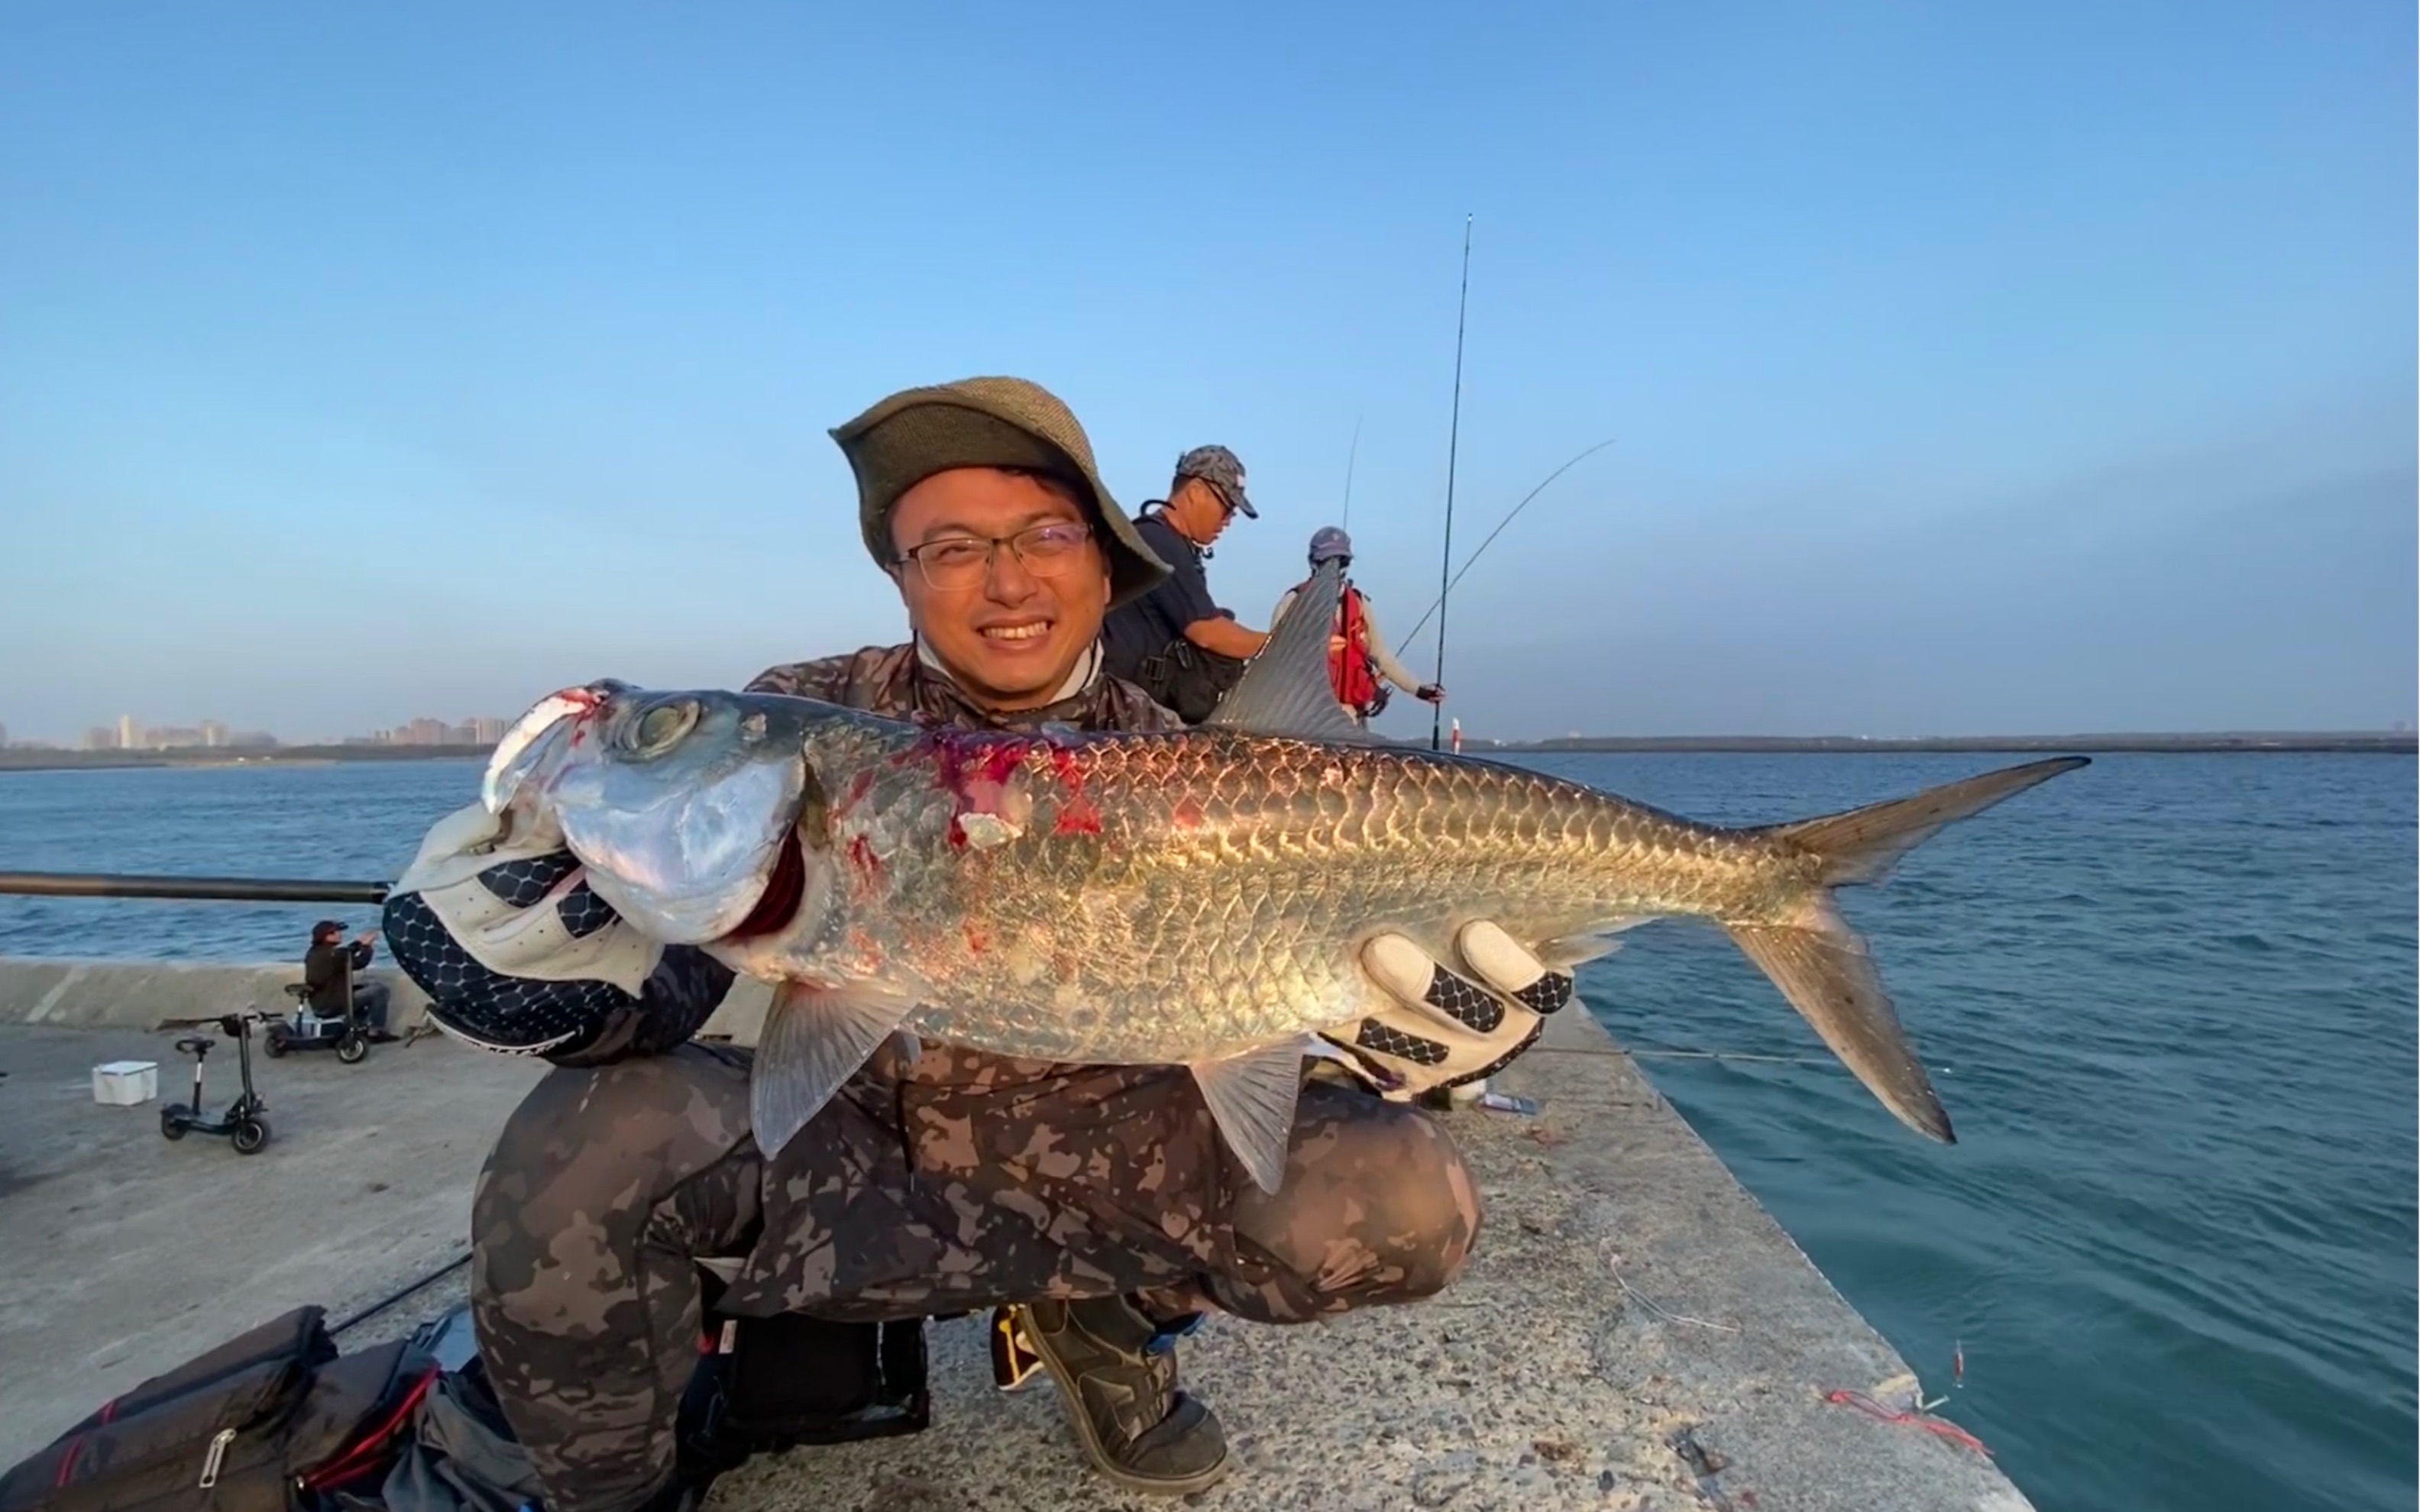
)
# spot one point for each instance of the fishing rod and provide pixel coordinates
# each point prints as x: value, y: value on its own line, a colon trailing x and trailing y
x: 1500, y: 528
x: 1347, y: 522
x: 211, y: 890
x: 1452, y: 446
x: 431, y: 1279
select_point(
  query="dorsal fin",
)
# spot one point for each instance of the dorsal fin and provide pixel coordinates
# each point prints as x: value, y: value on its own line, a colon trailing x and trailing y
x: 1285, y: 690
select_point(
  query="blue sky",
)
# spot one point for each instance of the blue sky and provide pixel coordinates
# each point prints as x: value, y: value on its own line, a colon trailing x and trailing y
x: 1975, y: 368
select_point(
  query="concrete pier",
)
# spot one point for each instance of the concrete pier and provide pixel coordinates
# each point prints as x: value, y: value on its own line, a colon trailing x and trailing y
x: 1634, y: 1331
x: 68, y: 993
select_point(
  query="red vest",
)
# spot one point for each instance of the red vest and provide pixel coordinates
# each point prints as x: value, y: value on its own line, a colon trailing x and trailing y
x: 1348, y: 654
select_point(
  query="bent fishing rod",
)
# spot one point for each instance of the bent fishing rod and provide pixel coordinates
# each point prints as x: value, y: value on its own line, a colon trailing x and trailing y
x: 1508, y: 519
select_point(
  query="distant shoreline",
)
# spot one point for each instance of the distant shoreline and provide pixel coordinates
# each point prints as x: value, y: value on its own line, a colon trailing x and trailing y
x: 2387, y: 743
x: 222, y: 756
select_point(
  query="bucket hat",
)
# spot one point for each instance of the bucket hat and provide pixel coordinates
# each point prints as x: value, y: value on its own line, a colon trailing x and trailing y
x: 986, y: 422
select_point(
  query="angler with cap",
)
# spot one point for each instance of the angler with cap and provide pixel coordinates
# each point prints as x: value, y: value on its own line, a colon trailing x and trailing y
x: 332, y: 976
x: 1357, y: 655
x: 1174, y: 641
x: 1096, y: 1205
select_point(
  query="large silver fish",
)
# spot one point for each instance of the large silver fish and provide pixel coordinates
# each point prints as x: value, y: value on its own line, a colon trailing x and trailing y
x: 1194, y: 898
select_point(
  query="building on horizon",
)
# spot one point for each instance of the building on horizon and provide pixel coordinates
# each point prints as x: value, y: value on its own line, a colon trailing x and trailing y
x: 426, y: 730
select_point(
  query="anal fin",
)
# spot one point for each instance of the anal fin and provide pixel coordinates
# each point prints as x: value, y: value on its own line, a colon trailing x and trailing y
x: 814, y: 1040
x: 1829, y: 977
x: 1573, y: 951
x: 1251, y: 1097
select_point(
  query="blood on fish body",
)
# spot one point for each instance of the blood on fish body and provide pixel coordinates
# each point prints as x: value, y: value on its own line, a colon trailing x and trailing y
x: 1077, y: 814
x: 869, y: 865
x: 980, y: 771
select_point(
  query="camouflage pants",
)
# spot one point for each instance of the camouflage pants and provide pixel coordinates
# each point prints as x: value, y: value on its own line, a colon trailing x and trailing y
x: 609, y: 1185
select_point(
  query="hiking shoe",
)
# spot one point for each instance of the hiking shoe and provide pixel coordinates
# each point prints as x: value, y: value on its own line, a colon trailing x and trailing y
x: 1116, y: 1372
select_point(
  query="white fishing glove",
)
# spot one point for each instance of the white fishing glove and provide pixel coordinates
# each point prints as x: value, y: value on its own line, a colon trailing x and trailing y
x: 518, y: 901
x: 1446, y: 1025
x: 495, y: 921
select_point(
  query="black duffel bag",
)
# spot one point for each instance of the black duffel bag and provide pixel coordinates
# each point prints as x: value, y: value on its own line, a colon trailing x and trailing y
x: 235, y: 1429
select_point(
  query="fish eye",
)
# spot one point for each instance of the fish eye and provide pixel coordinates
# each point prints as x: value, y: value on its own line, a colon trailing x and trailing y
x: 661, y: 727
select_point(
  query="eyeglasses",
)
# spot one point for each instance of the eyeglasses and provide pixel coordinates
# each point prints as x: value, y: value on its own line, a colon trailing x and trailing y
x: 1044, y: 550
x: 1226, y: 505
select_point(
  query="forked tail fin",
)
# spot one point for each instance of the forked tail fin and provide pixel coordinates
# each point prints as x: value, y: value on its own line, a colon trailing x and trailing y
x: 1822, y: 965
x: 1863, y: 845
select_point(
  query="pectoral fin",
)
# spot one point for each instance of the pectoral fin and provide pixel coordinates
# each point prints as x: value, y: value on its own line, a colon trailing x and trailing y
x: 814, y: 1040
x: 1252, y: 1096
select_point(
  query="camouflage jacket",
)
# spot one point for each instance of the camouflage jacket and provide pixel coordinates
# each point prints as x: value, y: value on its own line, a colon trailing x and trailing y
x: 894, y: 680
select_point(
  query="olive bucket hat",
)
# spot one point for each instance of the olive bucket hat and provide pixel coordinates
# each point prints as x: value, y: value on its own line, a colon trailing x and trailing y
x: 984, y: 422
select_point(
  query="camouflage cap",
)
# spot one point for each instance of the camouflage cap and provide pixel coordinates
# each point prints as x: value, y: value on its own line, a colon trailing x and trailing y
x: 1219, y: 469
x: 984, y: 422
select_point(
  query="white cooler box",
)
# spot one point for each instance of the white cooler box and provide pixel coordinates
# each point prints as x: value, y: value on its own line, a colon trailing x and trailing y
x: 126, y: 1082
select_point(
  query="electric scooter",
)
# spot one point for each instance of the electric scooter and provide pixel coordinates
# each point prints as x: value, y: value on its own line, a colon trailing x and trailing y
x: 245, y: 1123
x: 310, y: 1030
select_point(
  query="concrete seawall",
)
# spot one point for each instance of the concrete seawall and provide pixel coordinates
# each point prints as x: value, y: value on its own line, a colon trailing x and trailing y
x: 136, y: 994
x: 1634, y: 1332
x: 74, y: 993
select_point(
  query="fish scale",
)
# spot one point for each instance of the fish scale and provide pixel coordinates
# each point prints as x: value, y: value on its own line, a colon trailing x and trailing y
x: 1198, y: 899
x: 1203, y: 933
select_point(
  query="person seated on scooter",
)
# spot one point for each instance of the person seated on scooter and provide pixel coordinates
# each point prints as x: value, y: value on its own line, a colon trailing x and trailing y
x: 329, y: 968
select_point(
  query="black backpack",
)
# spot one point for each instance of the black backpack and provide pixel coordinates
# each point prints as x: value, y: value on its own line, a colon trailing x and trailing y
x: 241, y: 1429
x: 765, y: 1384
x: 275, y: 1419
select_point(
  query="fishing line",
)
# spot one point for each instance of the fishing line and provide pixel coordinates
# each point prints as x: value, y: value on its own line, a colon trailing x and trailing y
x: 1741, y: 1055
x: 1941, y: 1428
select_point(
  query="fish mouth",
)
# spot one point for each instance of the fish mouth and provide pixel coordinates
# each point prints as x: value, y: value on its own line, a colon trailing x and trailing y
x: 528, y: 749
x: 785, y: 888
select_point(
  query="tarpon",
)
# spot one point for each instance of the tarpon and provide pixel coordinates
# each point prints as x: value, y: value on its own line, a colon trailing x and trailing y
x: 1193, y: 899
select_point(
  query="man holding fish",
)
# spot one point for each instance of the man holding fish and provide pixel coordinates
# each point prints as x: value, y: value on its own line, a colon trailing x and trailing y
x: 869, y: 1174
